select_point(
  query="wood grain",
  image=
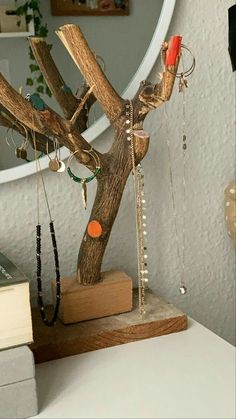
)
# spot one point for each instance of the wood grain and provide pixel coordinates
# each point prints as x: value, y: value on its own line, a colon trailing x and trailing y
x: 53, y: 343
x: 113, y: 295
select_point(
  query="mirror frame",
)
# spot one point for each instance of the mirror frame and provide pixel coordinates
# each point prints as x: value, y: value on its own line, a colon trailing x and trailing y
x: 103, y: 123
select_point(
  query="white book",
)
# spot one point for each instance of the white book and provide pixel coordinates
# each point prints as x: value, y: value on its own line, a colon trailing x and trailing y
x: 15, y: 312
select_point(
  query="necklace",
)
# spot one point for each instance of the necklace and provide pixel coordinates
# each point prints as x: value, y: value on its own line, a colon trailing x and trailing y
x: 46, y: 321
x: 181, y: 249
x: 138, y: 180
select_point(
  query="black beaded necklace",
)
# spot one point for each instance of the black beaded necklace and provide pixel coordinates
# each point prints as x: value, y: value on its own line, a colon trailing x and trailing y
x: 46, y: 321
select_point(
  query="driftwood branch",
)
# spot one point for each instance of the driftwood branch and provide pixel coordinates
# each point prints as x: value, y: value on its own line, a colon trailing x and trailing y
x: 77, y: 46
x: 61, y: 92
x: 7, y: 121
x: 46, y: 122
x: 116, y: 164
x: 65, y: 98
x: 81, y: 106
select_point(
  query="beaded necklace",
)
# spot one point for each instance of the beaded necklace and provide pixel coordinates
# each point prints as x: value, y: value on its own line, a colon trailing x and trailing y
x: 46, y: 321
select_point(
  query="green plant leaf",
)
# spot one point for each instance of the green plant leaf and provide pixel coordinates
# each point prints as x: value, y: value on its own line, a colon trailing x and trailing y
x: 29, y: 82
x: 40, y: 89
x: 40, y: 79
x: 48, y: 91
x: 34, y: 67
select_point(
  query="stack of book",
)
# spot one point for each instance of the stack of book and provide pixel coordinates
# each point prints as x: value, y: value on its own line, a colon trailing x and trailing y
x: 18, y: 398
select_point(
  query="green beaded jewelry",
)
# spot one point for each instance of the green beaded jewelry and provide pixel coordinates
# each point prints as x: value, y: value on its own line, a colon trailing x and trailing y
x: 84, y: 180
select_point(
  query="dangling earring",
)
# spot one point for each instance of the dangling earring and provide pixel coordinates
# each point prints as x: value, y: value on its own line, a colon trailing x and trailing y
x: 20, y: 151
x: 55, y: 164
x: 88, y: 179
x: 181, y: 255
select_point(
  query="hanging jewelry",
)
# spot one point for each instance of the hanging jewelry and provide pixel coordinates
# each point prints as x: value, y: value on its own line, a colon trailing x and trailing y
x: 46, y: 321
x: 54, y: 163
x: 140, y: 202
x: 84, y: 180
x: 181, y: 254
x: 20, y: 151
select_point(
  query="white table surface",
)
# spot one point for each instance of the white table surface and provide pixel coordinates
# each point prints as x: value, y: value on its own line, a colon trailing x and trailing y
x: 190, y: 374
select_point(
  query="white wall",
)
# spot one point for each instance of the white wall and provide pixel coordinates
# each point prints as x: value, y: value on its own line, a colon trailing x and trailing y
x: 210, y: 256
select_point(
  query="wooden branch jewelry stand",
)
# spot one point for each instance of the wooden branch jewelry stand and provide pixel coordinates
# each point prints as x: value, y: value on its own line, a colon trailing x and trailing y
x: 90, y: 296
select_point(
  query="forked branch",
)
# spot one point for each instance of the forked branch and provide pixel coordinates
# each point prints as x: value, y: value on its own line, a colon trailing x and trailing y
x: 63, y: 95
x: 46, y: 122
x: 77, y: 46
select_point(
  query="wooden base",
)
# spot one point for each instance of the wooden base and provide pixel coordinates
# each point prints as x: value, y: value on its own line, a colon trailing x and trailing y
x: 60, y: 341
x: 113, y: 295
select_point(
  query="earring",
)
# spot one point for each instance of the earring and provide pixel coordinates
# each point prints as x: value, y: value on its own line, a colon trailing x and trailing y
x: 84, y: 180
x: 55, y: 164
x: 20, y: 151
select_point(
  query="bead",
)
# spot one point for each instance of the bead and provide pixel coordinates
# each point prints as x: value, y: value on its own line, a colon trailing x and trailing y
x: 184, y: 137
x: 145, y: 233
x: 145, y: 256
x: 146, y: 271
x: 128, y: 138
x: 182, y: 289
x: 184, y: 146
x: 144, y: 217
x: 145, y: 279
x: 144, y: 225
x: 232, y: 191
x: 128, y: 131
x: 127, y: 121
x: 143, y: 201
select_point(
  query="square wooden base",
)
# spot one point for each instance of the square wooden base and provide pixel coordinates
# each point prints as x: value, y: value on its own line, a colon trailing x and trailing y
x: 113, y: 295
x: 161, y: 318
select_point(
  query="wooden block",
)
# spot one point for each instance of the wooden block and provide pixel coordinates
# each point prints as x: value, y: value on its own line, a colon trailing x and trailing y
x: 60, y: 341
x: 113, y: 295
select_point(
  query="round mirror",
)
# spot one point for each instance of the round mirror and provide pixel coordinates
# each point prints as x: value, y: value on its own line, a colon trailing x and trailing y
x: 129, y: 46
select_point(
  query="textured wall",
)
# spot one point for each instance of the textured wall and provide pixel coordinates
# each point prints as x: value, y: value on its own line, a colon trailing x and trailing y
x: 210, y: 128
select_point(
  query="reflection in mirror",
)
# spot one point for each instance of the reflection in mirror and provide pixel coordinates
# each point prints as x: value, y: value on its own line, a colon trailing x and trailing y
x: 121, y: 41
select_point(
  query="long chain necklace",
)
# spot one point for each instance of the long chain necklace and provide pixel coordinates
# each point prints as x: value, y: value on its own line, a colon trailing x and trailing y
x: 138, y: 180
x: 46, y: 321
x: 181, y: 249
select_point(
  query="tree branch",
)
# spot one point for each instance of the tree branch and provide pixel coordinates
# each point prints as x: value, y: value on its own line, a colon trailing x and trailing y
x: 81, y: 106
x: 150, y: 96
x: 63, y: 95
x: 77, y: 46
x: 46, y: 122
x: 6, y: 120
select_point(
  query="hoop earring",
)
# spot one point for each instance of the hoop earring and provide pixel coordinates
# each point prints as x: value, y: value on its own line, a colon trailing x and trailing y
x: 84, y: 180
x: 182, y: 76
x: 21, y: 151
